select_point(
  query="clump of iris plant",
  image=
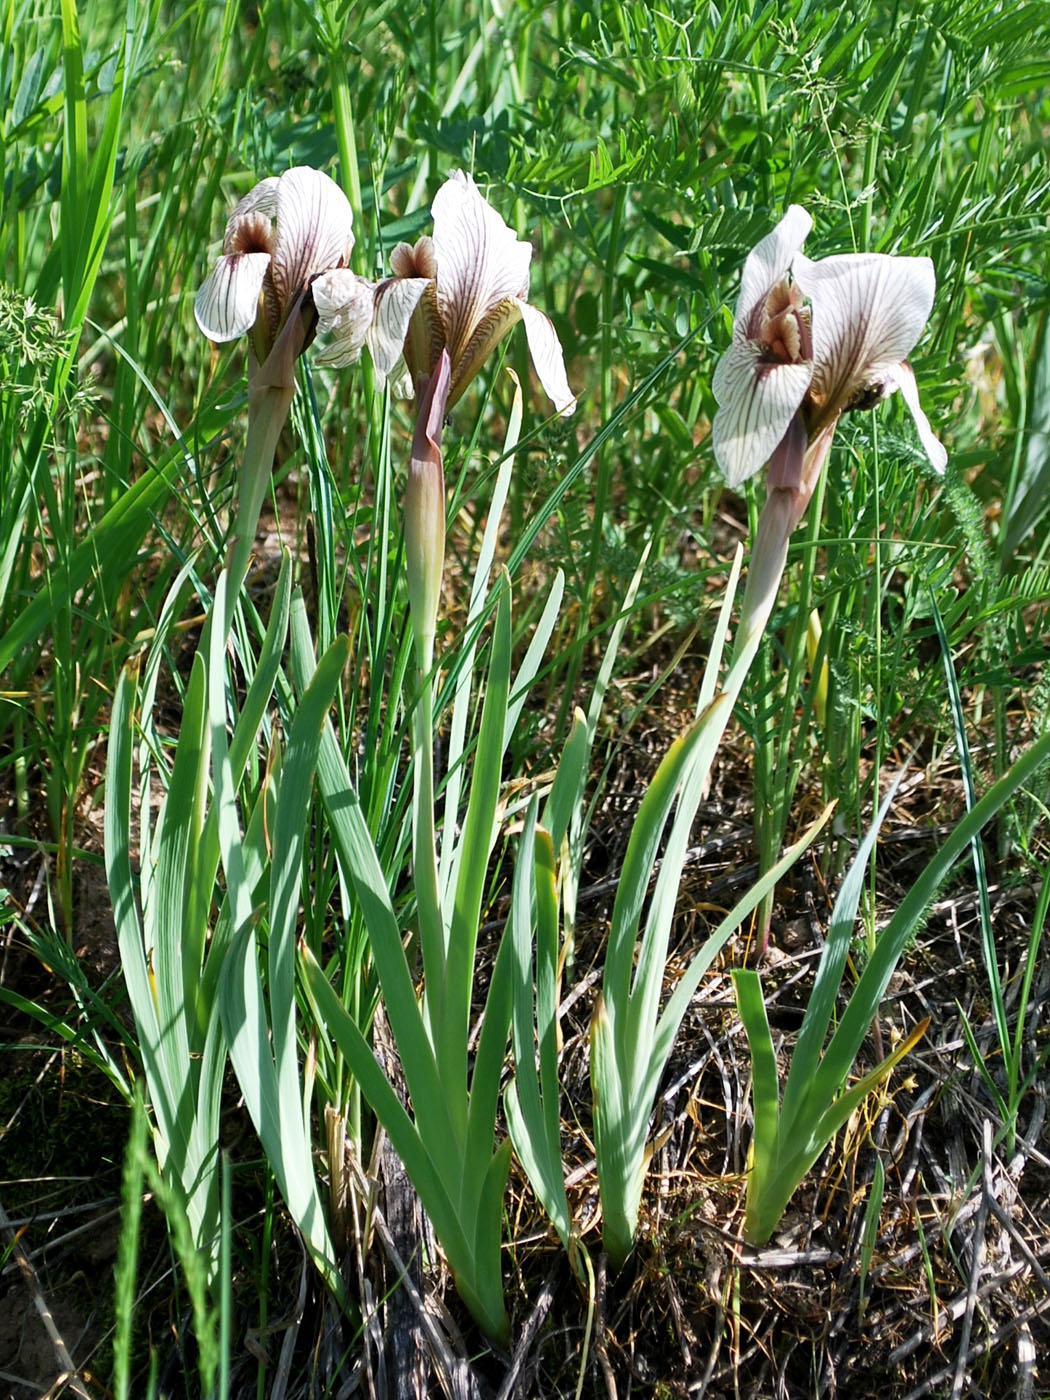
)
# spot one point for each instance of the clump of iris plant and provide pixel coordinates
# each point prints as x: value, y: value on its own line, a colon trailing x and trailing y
x: 466, y: 285
x: 812, y: 340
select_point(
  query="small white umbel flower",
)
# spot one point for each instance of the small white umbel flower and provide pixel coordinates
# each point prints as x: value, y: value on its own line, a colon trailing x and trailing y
x: 812, y: 340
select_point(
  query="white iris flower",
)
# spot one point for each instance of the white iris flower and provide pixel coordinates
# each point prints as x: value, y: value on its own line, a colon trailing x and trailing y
x: 812, y: 340
x: 464, y: 287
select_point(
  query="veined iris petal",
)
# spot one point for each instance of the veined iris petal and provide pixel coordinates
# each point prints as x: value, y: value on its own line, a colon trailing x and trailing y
x: 314, y: 230
x: 547, y: 358
x: 227, y: 304
x: 868, y: 312
x: 345, y: 304
x: 480, y: 262
x: 353, y: 312
x: 395, y: 303
x: 904, y: 377
x: 757, y: 400
x: 769, y: 260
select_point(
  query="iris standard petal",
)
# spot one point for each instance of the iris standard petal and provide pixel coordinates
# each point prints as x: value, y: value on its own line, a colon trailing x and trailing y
x: 769, y: 260
x: 260, y: 200
x: 868, y: 310
x: 547, y: 358
x: 757, y: 400
x: 314, y: 230
x: 227, y: 304
x: 904, y: 378
x: 480, y: 261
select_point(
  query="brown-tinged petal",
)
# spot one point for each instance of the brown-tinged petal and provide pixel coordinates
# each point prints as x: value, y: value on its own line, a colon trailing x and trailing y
x: 480, y: 262
x: 547, y: 358
x: 489, y: 330
x: 425, y: 338
x: 868, y: 310
x: 395, y: 303
x: 314, y: 230
x: 257, y: 207
x: 418, y: 261
x: 757, y: 401
x: 227, y: 304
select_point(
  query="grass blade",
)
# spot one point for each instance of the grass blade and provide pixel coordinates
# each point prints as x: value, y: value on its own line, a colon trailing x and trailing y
x: 532, y: 1098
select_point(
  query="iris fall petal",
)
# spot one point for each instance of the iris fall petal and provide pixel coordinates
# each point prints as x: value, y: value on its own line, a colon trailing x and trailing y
x: 353, y: 312
x: 756, y: 403
x: 904, y: 378
x: 227, y: 304
x: 547, y: 358
x: 345, y: 304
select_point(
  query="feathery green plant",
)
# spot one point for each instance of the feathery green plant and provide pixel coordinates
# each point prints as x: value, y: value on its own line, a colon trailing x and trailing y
x: 1009, y: 1088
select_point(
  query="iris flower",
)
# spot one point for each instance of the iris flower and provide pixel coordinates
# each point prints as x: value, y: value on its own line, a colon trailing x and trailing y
x: 280, y: 239
x: 466, y: 285
x: 282, y: 234
x: 812, y: 340
x: 284, y: 240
